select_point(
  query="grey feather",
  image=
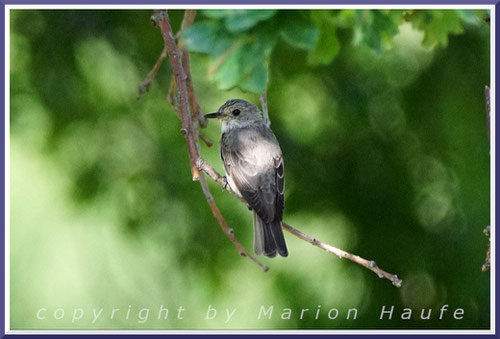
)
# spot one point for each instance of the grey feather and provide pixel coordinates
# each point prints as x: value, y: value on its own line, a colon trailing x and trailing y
x: 253, y: 161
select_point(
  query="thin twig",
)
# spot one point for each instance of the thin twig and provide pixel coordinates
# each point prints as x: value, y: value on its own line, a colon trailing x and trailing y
x: 187, y: 20
x: 190, y: 131
x: 206, y: 140
x: 172, y: 99
x: 265, y: 112
x: 146, y: 83
x: 162, y: 20
x: 486, y: 265
x: 202, y: 121
x: 369, y: 264
x: 487, y: 101
x: 189, y: 16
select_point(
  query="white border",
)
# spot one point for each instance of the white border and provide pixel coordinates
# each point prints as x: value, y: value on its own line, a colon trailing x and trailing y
x: 311, y: 332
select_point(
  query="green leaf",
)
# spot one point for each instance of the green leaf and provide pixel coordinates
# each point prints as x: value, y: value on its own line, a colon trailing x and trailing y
x: 229, y: 73
x: 255, y: 63
x: 328, y: 45
x: 245, y: 19
x: 207, y: 37
x: 437, y: 25
x: 256, y: 81
x: 246, y: 66
x: 240, y: 20
x: 376, y: 26
x: 216, y: 13
x: 300, y: 32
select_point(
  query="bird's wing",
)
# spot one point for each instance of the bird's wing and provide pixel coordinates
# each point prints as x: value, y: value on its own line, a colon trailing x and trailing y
x: 254, y: 162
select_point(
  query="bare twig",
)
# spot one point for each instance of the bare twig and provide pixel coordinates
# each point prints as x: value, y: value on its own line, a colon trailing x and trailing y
x: 202, y: 121
x: 172, y: 98
x: 187, y: 20
x: 146, y: 83
x: 487, y: 101
x: 162, y: 20
x: 265, y: 112
x: 369, y: 264
x: 486, y: 265
x: 206, y: 140
x: 190, y: 131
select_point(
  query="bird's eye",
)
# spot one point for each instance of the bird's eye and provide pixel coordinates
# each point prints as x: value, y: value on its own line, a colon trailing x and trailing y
x: 236, y: 112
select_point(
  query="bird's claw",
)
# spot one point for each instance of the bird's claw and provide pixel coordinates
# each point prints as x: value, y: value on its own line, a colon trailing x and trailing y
x: 226, y: 183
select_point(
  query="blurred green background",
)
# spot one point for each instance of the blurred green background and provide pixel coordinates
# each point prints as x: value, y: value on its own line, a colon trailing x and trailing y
x: 381, y: 118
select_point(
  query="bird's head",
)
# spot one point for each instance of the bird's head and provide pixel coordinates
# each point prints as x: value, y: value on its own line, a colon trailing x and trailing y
x: 236, y: 110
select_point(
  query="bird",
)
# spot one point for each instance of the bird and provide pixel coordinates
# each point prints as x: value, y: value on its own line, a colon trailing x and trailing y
x: 254, y: 167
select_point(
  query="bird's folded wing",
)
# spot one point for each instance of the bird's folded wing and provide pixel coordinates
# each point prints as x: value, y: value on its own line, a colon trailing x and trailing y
x: 257, y: 175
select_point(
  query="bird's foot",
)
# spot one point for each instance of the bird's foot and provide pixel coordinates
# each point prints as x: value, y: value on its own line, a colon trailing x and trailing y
x: 225, y: 186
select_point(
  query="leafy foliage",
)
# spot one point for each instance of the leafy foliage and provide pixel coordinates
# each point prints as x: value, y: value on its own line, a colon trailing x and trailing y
x: 241, y: 42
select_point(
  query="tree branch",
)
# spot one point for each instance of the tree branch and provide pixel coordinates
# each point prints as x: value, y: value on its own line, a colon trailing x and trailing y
x: 369, y: 264
x: 146, y: 83
x: 188, y: 19
x: 190, y: 131
x: 199, y: 167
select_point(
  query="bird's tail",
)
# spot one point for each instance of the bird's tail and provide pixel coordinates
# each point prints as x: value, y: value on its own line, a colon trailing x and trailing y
x: 268, y: 238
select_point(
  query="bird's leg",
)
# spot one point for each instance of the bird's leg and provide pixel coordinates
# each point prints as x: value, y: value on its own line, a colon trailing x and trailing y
x: 227, y: 186
x: 226, y: 183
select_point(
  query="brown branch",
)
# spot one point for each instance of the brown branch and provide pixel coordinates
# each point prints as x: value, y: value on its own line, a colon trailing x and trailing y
x: 161, y: 19
x: 202, y: 121
x: 190, y: 131
x: 206, y: 140
x: 188, y: 19
x: 146, y: 83
x: 369, y: 264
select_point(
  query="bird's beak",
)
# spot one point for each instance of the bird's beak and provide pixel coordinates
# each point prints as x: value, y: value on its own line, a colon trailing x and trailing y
x: 213, y: 115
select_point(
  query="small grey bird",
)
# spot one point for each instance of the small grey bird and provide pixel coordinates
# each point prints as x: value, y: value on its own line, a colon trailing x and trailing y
x: 254, y: 169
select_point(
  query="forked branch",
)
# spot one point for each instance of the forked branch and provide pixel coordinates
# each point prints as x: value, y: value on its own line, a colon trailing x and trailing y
x: 190, y: 130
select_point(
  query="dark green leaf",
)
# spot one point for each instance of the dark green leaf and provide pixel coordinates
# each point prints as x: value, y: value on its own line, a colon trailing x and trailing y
x: 437, y: 25
x: 375, y: 26
x: 256, y: 81
x: 300, y: 33
x: 207, y: 37
x: 229, y: 72
x: 328, y: 46
x: 245, y: 19
x: 240, y: 20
